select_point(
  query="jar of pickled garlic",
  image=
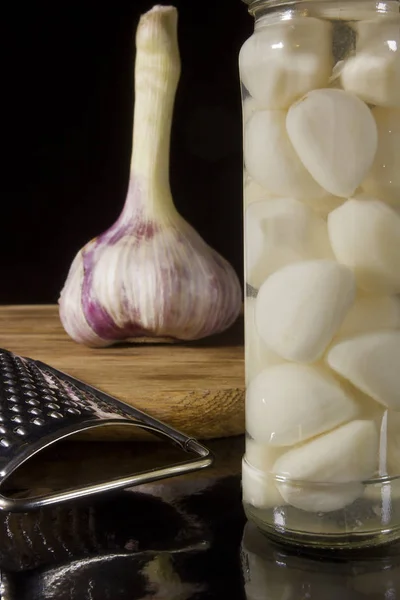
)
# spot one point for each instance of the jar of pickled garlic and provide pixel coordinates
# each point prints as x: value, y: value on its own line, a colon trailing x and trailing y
x: 321, y: 120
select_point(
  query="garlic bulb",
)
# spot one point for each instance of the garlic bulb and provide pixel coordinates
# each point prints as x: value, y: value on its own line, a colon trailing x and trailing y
x: 150, y: 275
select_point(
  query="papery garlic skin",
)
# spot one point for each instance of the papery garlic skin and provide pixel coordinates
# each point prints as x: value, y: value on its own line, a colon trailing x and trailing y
x: 71, y: 312
x: 150, y: 276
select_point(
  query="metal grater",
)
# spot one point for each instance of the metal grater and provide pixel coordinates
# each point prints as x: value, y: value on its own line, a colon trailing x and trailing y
x: 40, y: 406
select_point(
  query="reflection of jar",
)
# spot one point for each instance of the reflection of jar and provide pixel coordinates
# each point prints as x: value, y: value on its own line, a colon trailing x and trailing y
x: 274, y: 573
x: 321, y: 119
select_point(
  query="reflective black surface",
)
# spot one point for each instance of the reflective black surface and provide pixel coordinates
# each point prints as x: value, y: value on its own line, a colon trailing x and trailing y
x: 273, y: 572
x: 172, y: 540
x: 185, y: 539
x: 131, y: 546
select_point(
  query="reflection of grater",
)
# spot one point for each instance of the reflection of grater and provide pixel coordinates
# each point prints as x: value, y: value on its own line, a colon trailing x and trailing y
x: 40, y: 406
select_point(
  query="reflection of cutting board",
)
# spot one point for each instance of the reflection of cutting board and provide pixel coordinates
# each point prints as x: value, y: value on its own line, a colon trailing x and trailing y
x: 197, y: 387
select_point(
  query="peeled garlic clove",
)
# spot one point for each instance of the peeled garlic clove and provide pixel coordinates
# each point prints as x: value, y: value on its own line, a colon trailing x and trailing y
x: 371, y: 362
x: 320, y: 498
x: 288, y: 404
x: 150, y: 275
x: 253, y: 192
x: 378, y: 33
x: 280, y: 63
x: 373, y: 74
x: 345, y: 456
x: 323, y: 206
x: 259, y: 488
x: 281, y: 231
x: 249, y: 107
x: 300, y: 308
x: 335, y: 137
x: 258, y: 355
x: 262, y: 456
x: 369, y: 409
x: 375, y: 79
x: 271, y: 160
x: 383, y: 179
x: 370, y: 313
x: 365, y: 236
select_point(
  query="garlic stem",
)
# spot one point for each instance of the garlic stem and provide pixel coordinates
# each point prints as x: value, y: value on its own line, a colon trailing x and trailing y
x: 157, y: 72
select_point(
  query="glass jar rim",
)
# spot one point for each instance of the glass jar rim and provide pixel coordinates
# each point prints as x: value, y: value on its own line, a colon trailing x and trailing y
x: 252, y: 4
x: 257, y: 7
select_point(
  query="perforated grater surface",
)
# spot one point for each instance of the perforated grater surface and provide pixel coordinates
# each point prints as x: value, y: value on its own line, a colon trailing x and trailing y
x: 40, y: 406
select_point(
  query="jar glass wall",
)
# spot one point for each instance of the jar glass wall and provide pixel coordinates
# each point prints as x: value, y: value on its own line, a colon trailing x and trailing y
x: 321, y: 122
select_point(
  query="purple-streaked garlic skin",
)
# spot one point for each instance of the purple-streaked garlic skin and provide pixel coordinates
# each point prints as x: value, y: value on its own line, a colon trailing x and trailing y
x: 150, y: 275
x: 166, y: 282
x: 71, y: 311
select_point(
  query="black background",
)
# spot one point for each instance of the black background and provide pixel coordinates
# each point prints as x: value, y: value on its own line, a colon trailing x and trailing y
x: 67, y: 84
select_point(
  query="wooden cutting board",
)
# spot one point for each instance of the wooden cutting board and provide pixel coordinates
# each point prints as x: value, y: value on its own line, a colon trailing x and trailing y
x: 196, y: 387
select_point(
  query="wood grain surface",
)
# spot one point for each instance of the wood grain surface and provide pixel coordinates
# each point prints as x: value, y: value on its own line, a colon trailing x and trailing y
x: 196, y: 387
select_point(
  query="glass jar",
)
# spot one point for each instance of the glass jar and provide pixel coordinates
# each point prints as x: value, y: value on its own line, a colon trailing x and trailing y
x: 321, y: 120
x: 273, y: 572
